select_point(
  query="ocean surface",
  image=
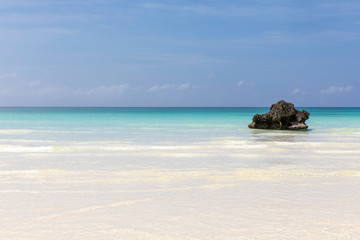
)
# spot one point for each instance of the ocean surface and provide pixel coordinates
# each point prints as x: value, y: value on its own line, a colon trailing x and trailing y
x: 177, y: 173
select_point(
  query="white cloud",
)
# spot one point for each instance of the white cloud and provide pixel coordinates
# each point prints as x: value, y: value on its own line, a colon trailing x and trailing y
x: 336, y: 89
x: 180, y: 87
x: 240, y: 83
x: 184, y: 86
x: 106, y: 91
x: 66, y: 91
x: 162, y: 87
x: 243, y: 83
x: 296, y: 91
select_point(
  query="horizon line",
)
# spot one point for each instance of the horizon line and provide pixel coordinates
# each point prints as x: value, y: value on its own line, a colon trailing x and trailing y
x: 161, y: 107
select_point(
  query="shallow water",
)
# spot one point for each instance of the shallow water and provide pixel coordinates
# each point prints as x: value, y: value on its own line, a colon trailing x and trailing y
x: 177, y: 173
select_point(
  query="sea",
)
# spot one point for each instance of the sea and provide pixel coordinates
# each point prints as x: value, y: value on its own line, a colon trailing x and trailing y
x: 177, y: 174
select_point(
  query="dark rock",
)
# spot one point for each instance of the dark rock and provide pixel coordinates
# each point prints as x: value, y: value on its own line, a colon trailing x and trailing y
x: 282, y: 115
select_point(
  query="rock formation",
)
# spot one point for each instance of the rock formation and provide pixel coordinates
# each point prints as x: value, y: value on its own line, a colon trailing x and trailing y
x: 282, y: 115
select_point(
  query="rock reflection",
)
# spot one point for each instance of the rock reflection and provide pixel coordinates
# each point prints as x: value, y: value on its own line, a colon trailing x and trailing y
x: 261, y: 135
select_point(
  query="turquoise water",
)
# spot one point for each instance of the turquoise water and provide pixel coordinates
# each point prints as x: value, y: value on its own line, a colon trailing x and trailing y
x: 138, y: 123
x: 177, y: 173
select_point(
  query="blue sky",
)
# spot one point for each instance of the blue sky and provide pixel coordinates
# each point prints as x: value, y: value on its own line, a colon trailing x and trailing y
x: 179, y: 53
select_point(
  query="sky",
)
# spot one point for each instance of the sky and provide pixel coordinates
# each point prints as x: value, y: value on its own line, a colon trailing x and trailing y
x: 179, y: 53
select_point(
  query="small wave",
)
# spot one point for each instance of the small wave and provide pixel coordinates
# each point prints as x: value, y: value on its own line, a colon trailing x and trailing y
x: 16, y: 131
x: 339, y: 151
x: 25, y: 149
x: 97, y: 207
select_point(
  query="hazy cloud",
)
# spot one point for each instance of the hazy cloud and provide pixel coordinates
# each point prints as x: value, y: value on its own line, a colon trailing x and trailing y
x: 161, y: 87
x: 184, y: 86
x: 106, y: 91
x: 296, y: 91
x: 56, y: 91
x: 34, y: 83
x: 243, y: 83
x: 240, y: 83
x: 204, y: 9
x: 180, y: 87
x: 8, y: 75
x: 336, y: 89
x: 42, y: 89
x: 339, y: 35
x: 158, y: 57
